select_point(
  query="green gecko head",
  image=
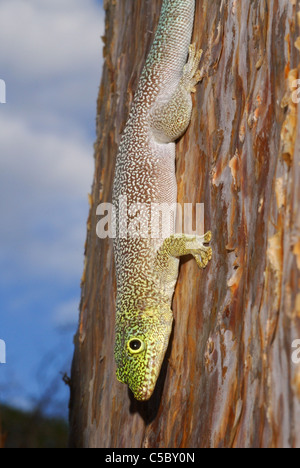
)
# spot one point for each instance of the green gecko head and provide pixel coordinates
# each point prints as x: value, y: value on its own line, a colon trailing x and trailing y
x: 141, y: 342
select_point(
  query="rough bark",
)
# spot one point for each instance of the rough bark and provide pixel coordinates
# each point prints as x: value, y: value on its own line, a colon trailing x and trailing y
x: 228, y: 379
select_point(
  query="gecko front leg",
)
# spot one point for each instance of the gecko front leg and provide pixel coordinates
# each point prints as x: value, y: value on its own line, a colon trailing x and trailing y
x: 176, y: 246
x: 179, y: 245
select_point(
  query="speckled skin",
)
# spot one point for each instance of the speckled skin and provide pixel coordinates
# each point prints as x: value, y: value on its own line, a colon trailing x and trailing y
x: 146, y: 268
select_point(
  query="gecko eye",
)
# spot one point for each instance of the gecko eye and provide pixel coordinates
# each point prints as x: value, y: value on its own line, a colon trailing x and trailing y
x: 135, y: 345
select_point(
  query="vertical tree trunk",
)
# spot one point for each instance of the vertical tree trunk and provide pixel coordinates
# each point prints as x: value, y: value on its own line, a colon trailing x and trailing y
x: 228, y: 379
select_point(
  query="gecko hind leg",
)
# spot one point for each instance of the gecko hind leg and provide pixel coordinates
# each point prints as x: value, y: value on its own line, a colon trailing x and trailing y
x: 170, y: 117
x: 191, y: 73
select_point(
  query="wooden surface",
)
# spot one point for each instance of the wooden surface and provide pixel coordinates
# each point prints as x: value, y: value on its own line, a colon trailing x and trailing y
x: 228, y: 379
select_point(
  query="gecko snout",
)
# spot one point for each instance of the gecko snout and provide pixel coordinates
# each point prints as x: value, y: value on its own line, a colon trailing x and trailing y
x: 140, y: 349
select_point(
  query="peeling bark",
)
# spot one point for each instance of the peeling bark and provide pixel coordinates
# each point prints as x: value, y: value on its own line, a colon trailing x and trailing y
x: 228, y: 379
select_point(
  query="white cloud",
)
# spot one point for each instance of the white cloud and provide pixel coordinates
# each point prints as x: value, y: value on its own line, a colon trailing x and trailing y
x: 49, y: 38
x: 44, y: 182
x: 50, y: 58
x: 44, y: 160
x: 21, y: 402
x: 67, y: 313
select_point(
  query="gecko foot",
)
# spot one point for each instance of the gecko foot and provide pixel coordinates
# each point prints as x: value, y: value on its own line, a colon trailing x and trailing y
x: 191, y: 74
x: 203, y: 257
x: 200, y: 252
x: 179, y: 245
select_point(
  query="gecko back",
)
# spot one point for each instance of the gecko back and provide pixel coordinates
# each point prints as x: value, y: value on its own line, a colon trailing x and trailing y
x: 147, y: 266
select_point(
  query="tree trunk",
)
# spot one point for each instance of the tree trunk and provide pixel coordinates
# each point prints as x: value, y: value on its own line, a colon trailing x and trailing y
x: 228, y: 379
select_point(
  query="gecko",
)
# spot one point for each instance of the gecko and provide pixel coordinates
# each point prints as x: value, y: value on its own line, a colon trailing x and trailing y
x: 146, y: 267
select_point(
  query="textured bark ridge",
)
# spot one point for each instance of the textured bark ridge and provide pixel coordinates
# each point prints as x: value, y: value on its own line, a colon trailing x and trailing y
x: 228, y: 379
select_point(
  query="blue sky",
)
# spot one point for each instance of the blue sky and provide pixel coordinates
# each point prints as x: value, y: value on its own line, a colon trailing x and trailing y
x: 51, y: 61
